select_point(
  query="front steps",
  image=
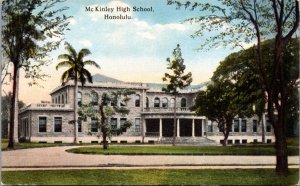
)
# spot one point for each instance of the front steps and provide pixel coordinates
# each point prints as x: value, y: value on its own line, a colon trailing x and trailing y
x: 196, y: 141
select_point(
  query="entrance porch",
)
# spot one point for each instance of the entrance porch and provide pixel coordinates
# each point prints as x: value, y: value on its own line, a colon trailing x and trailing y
x: 163, y: 127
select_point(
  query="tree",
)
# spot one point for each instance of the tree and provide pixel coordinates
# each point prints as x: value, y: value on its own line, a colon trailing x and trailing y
x: 109, y: 105
x: 77, y: 72
x: 27, y: 32
x: 177, y: 80
x: 247, y: 21
x: 5, y: 107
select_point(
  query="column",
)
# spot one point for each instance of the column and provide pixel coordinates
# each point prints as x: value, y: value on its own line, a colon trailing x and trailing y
x: 143, y: 125
x: 202, y: 126
x: 160, y: 127
x: 193, y: 128
x: 178, y: 128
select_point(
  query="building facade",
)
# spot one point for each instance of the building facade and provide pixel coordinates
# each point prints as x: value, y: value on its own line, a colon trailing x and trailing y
x: 151, y: 115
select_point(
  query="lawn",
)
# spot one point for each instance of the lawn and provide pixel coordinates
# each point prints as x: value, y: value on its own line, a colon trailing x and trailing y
x: 150, y: 177
x: 26, y: 145
x: 184, y: 150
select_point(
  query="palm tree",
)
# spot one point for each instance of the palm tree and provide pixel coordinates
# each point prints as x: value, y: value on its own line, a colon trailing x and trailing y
x: 76, y: 71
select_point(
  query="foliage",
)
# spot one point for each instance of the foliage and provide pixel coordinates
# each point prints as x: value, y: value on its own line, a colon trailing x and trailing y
x: 5, y: 113
x: 109, y: 105
x: 274, y: 19
x: 228, y: 22
x: 27, y: 33
x: 32, y: 29
x: 75, y: 63
x: 76, y: 71
x: 177, y: 80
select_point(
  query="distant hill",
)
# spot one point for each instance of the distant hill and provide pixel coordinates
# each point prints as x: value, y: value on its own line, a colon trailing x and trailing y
x: 102, y: 78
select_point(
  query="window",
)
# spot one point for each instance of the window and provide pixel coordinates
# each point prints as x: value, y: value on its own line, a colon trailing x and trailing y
x: 183, y: 102
x: 94, y: 98
x: 94, y: 125
x: 62, y: 99
x: 79, y: 122
x: 156, y: 102
x: 42, y: 124
x: 164, y: 102
x: 57, y: 124
x: 66, y: 98
x: 244, y: 126
x: 268, y: 126
x: 58, y: 99
x: 254, y: 125
x: 147, y: 102
x: 53, y: 100
x: 122, y: 123
x: 79, y: 98
x: 113, y: 122
x: 236, y: 127
x: 137, y: 100
x: 172, y: 102
x: 209, y: 126
x: 137, y: 125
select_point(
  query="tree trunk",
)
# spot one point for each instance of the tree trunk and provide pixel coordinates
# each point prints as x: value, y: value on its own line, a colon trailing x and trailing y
x: 16, y: 112
x: 281, y: 150
x: 12, y: 110
x: 175, y: 124
x: 75, y: 111
x: 263, y: 132
x: 102, y: 127
x: 225, y: 139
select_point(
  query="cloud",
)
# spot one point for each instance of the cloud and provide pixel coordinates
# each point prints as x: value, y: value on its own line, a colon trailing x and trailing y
x: 72, y: 21
x: 85, y: 43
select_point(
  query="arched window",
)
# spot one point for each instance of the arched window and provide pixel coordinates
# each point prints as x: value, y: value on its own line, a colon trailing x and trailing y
x: 183, y: 102
x: 172, y: 102
x: 147, y: 102
x: 79, y: 98
x: 94, y: 98
x: 156, y: 102
x: 137, y: 100
x: 58, y: 99
x: 62, y: 99
x: 164, y: 102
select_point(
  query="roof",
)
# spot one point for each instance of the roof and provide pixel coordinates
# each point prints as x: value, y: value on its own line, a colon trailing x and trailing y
x: 102, y: 80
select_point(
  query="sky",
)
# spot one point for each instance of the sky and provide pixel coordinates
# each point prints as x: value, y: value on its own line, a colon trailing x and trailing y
x: 132, y: 50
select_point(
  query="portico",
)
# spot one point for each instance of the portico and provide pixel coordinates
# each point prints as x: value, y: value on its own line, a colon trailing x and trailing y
x: 163, y: 125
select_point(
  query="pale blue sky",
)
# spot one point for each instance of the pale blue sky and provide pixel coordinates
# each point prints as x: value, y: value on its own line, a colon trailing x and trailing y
x: 132, y: 50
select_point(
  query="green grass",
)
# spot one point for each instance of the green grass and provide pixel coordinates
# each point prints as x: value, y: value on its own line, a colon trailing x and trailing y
x: 184, y: 150
x: 150, y: 177
x: 293, y: 141
x: 26, y: 145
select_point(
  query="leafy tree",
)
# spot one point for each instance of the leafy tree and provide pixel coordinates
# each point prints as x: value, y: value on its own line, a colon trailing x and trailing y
x: 77, y: 72
x: 177, y: 80
x: 28, y: 30
x: 5, y: 107
x: 238, y: 21
x: 110, y: 105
